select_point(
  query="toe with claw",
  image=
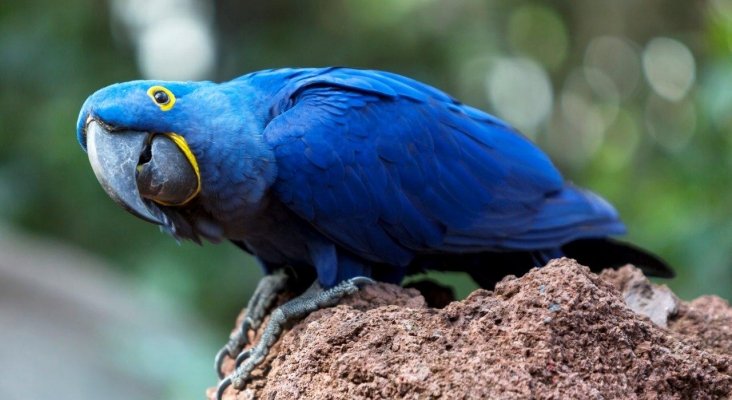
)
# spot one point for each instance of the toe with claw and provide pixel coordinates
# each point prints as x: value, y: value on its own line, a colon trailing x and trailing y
x: 262, y: 300
x: 299, y: 307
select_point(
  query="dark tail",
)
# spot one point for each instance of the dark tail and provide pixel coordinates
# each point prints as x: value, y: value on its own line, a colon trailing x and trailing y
x: 490, y: 267
x: 608, y: 253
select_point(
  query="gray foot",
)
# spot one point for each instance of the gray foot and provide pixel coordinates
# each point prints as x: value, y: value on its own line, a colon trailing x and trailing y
x: 261, y: 301
x: 297, y: 308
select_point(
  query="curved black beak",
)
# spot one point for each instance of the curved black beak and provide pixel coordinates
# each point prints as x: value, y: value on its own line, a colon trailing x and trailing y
x: 114, y: 156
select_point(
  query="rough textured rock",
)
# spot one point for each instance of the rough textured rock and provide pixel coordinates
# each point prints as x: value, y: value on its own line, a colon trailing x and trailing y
x: 557, y: 332
x: 656, y: 302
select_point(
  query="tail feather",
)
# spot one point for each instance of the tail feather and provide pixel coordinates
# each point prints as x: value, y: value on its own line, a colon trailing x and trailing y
x: 609, y: 253
x: 487, y: 268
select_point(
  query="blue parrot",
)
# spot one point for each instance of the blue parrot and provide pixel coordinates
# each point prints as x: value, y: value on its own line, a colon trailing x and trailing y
x: 337, y: 176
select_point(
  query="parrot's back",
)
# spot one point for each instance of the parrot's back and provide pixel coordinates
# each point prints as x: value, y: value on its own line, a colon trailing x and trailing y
x: 389, y: 169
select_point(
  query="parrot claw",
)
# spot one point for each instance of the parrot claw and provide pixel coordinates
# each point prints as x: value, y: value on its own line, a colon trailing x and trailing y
x: 312, y: 300
x: 219, y: 361
x: 264, y: 296
x: 232, y: 347
x: 243, y: 356
x: 223, y: 385
x: 361, y: 281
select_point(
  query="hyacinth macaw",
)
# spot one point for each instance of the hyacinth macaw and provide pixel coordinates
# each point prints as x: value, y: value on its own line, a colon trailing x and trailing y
x: 341, y: 176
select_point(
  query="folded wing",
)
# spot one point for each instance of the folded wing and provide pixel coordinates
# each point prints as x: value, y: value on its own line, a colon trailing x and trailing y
x: 387, y: 167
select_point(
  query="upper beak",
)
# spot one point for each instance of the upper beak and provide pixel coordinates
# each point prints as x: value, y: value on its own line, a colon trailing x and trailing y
x: 135, y: 167
x: 114, y: 157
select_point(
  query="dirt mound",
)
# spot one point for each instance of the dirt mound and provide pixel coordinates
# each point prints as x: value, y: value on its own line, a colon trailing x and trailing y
x: 557, y: 332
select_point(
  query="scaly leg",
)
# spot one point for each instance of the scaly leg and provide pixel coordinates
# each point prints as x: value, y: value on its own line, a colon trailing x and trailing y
x: 313, y: 299
x: 264, y: 296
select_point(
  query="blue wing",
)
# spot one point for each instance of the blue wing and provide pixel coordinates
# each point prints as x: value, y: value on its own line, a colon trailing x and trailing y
x: 387, y: 167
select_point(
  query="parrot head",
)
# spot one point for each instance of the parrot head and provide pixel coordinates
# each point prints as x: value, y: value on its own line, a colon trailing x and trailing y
x: 131, y: 134
x: 147, y: 142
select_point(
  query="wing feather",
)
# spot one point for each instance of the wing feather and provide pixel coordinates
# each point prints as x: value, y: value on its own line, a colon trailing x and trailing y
x: 387, y: 167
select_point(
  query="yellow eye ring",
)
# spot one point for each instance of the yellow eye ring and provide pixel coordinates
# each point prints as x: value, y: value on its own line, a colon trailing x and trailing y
x: 164, y: 98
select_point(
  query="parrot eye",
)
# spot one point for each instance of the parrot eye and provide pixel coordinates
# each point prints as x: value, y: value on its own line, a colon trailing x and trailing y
x: 163, y: 97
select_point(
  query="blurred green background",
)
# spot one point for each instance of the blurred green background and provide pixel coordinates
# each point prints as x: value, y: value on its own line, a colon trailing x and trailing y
x: 631, y: 99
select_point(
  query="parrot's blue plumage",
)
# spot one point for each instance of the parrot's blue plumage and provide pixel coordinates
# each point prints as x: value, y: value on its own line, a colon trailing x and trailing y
x: 357, y: 172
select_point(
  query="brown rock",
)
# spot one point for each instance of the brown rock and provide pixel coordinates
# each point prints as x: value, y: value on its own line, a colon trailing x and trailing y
x: 707, y: 319
x: 656, y: 302
x: 558, y: 332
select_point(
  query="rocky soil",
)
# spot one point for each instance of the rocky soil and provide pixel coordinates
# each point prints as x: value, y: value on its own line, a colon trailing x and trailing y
x: 559, y: 332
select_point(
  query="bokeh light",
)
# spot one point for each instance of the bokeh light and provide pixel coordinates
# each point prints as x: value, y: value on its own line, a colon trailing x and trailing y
x: 670, y: 123
x: 618, y: 59
x: 622, y: 139
x: 520, y: 92
x: 669, y: 67
x: 173, y: 39
x: 581, y: 122
x: 538, y: 32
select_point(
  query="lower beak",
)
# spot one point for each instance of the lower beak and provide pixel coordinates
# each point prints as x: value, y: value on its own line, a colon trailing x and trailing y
x: 114, y: 157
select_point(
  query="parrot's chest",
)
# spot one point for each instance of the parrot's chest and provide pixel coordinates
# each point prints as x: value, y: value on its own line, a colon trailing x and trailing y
x: 274, y: 234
